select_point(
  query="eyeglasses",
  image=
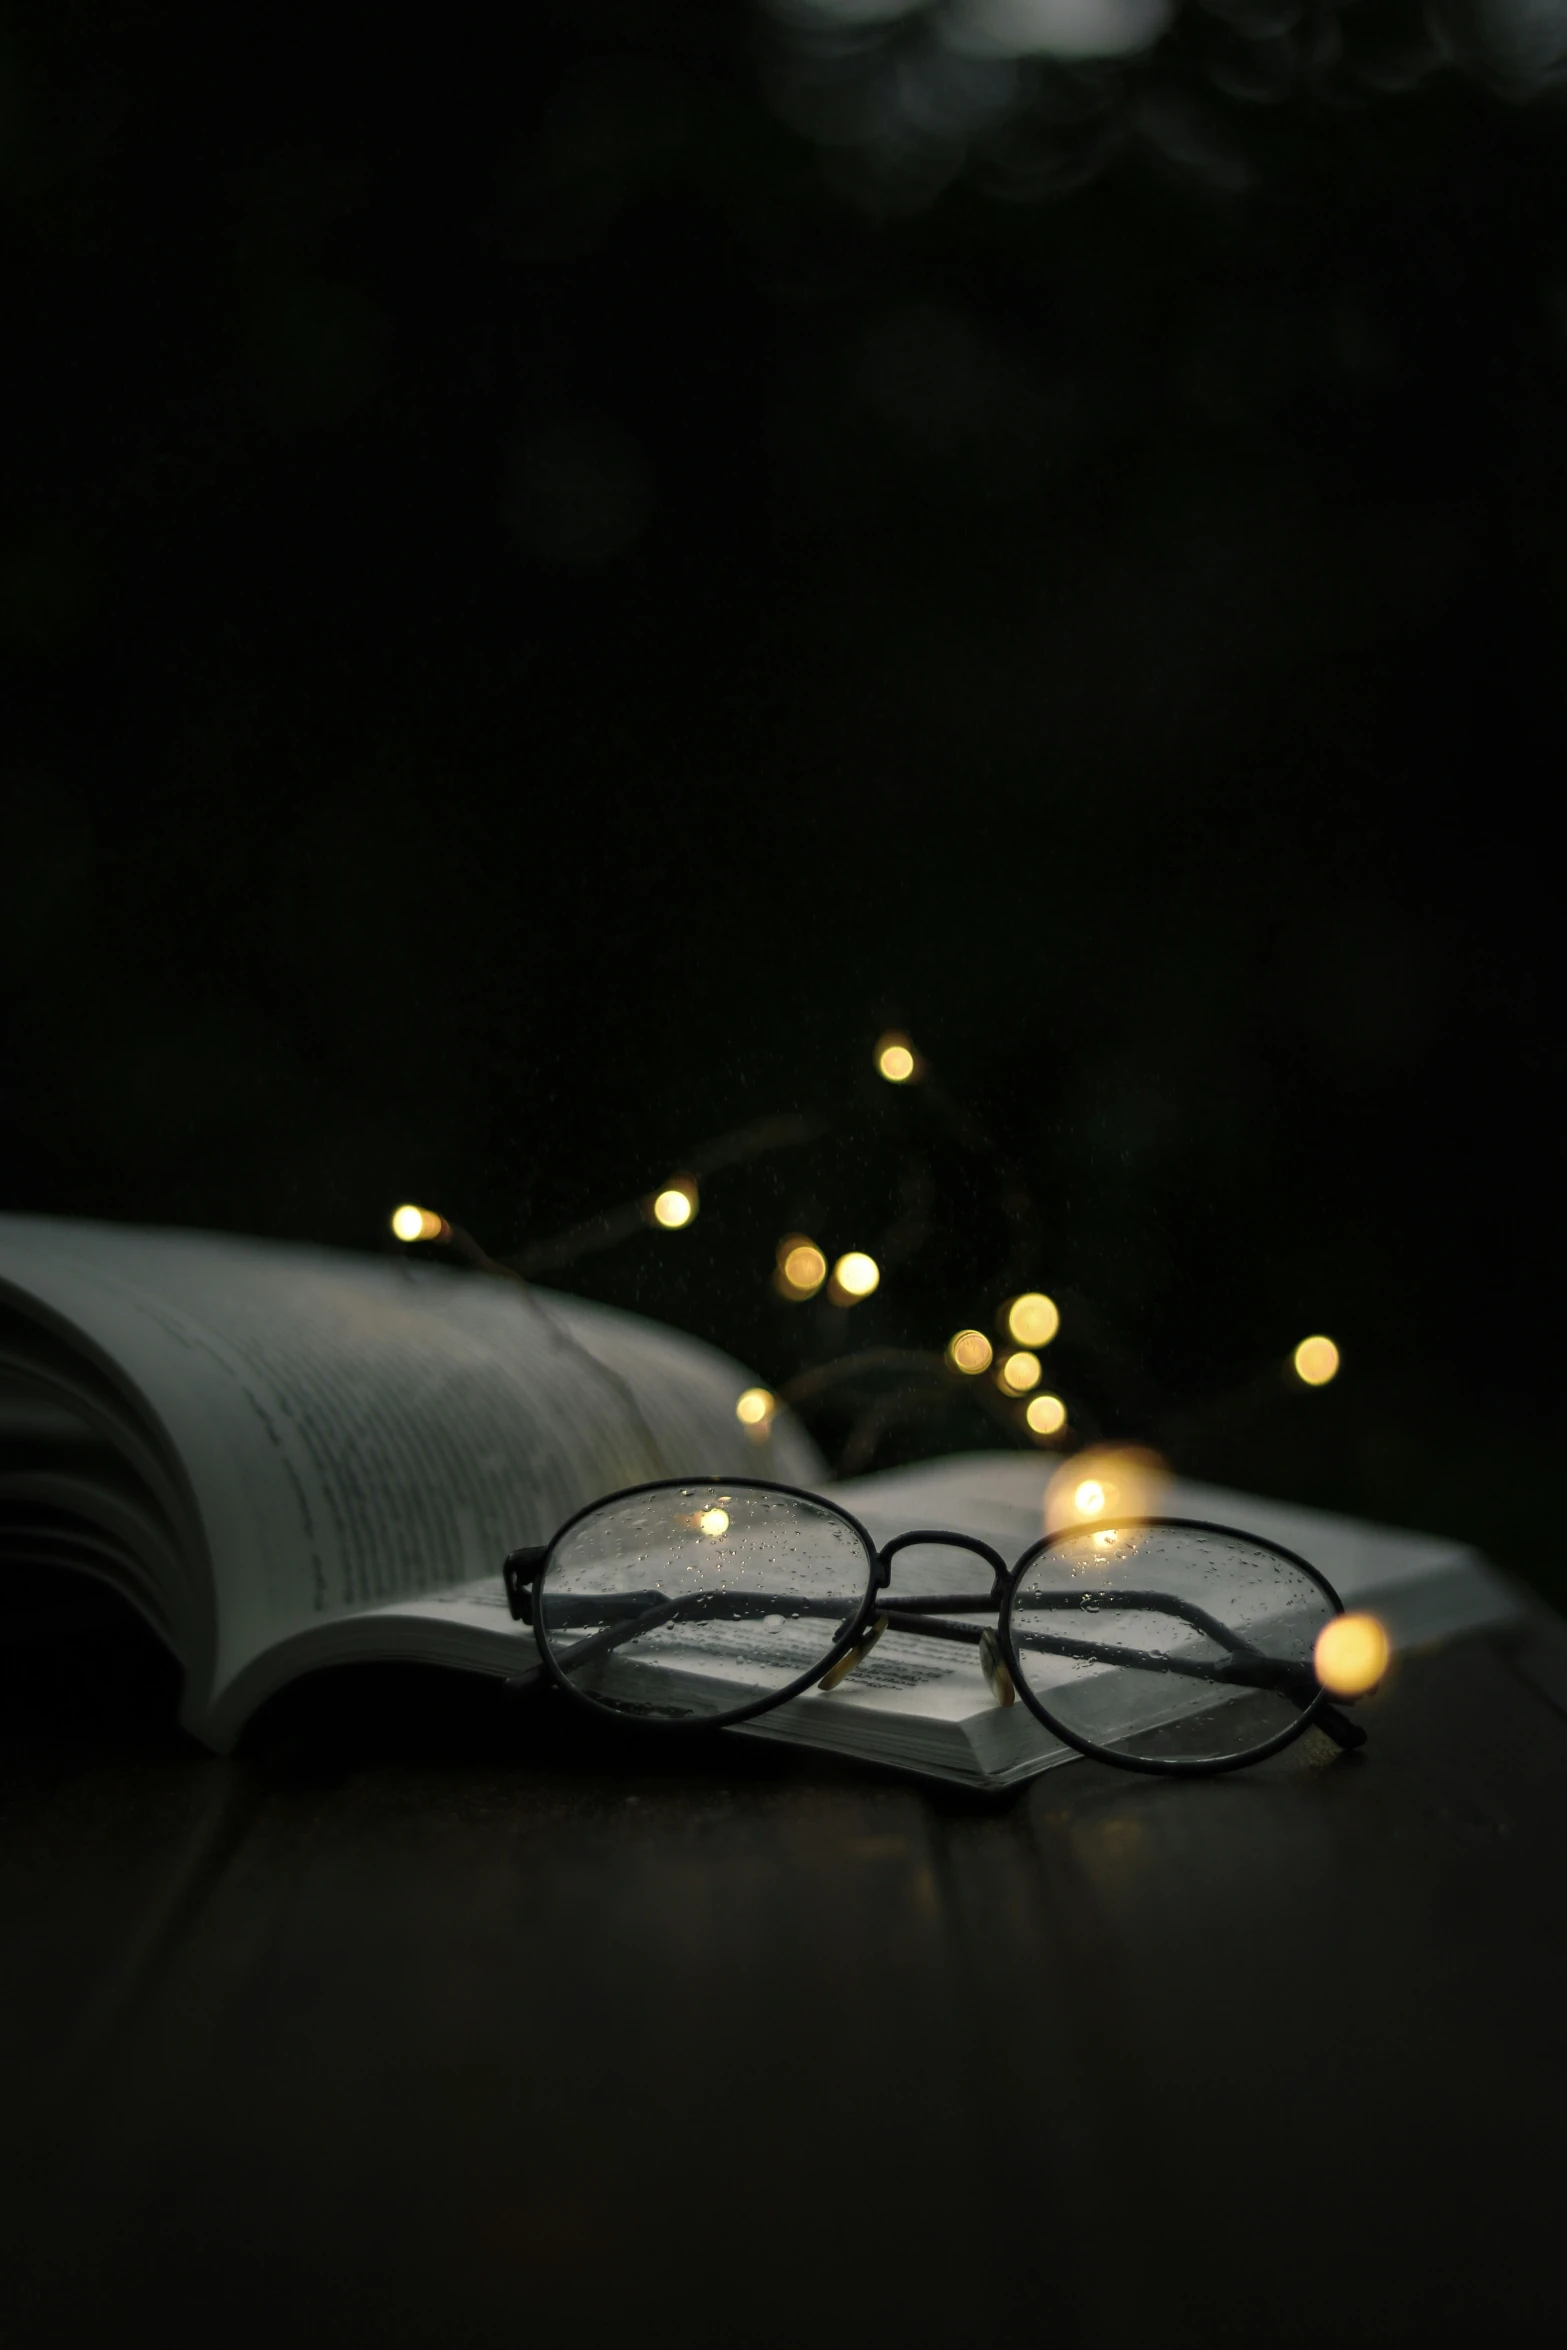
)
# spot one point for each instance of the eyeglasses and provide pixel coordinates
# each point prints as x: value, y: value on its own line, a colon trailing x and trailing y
x: 1159, y: 1644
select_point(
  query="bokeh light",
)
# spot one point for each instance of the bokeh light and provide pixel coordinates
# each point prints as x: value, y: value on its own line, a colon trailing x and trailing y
x: 895, y: 1058
x: 856, y: 1274
x: 713, y: 1523
x: 969, y: 1351
x: 755, y: 1410
x: 676, y: 1204
x: 801, y: 1267
x: 1316, y: 1360
x: 1351, y: 1655
x: 411, y: 1223
x: 1104, y: 1483
x: 1046, y: 1415
x: 1032, y: 1319
x: 1019, y: 1372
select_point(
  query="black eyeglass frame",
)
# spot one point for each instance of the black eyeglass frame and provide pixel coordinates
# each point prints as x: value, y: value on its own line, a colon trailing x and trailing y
x: 524, y: 1571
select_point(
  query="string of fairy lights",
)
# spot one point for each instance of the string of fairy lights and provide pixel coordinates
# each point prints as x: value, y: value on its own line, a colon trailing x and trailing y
x: 1006, y: 1371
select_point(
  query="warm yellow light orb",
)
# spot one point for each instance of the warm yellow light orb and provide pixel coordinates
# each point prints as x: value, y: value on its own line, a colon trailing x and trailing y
x: 1109, y: 1482
x: 1351, y: 1655
x: 856, y: 1274
x: 1033, y: 1319
x: 1046, y: 1415
x: 1019, y: 1372
x: 675, y: 1205
x: 411, y: 1223
x: 802, y: 1268
x: 755, y: 1408
x: 714, y: 1522
x: 1316, y: 1360
x: 969, y: 1351
x: 895, y: 1059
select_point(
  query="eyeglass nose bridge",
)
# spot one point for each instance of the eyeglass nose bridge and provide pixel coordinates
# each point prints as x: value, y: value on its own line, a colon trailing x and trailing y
x: 1001, y: 1573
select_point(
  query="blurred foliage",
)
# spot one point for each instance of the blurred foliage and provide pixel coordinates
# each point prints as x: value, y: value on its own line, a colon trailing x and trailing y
x: 549, y: 593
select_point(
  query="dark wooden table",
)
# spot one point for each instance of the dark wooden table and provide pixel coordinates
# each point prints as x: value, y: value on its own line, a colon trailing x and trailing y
x: 435, y: 2017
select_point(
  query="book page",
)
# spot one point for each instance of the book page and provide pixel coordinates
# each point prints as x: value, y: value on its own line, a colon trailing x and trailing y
x: 350, y: 1432
x: 89, y: 1478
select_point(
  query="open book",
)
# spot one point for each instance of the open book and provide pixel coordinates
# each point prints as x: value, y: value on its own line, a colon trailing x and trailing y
x: 288, y: 1458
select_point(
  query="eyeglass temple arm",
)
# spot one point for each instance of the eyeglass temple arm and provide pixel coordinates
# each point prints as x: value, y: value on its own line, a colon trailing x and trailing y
x: 649, y: 1611
x: 635, y: 1612
x: 520, y: 1569
x: 1247, y: 1669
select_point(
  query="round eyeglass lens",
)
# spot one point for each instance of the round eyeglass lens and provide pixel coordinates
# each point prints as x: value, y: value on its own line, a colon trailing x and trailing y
x: 691, y: 1601
x: 1164, y: 1643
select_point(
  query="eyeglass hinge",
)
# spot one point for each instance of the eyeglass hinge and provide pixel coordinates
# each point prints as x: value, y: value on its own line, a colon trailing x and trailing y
x: 517, y: 1572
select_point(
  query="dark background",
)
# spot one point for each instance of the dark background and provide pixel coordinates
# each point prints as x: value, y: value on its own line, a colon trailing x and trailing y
x: 555, y: 587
